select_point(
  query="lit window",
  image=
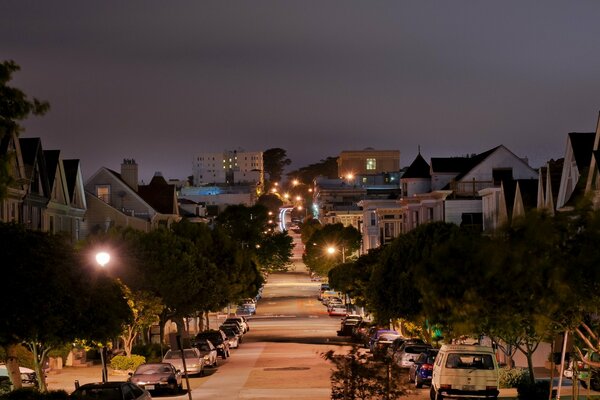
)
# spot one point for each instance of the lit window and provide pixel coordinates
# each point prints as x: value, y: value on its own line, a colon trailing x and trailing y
x: 371, y: 164
x: 103, y: 193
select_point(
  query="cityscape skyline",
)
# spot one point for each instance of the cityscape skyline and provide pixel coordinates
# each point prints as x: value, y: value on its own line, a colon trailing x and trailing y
x: 162, y: 84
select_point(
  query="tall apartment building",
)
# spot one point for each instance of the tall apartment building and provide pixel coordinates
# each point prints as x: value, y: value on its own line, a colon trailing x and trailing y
x: 228, y: 168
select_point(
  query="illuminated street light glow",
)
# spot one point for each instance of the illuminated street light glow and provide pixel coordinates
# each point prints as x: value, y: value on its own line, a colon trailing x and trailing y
x: 102, y: 258
x: 331, y: 249
x: 274, y: 190
x: 298, y: 198
x: 295, y: 182
x: 350, y: 176
x: 286, y: 195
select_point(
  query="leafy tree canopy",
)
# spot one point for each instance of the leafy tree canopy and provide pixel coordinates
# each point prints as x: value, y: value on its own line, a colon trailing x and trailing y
x: 344, y: 240
x: 327, y: 168
x: 274, y: 161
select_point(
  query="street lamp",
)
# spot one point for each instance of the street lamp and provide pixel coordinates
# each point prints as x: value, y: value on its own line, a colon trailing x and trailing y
x: 103, y: 258
x: 333, y: 250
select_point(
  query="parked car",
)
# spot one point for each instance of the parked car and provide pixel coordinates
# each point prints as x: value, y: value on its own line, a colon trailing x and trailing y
x: 422, y: 368
x: 337, y: 311
x: 360, y: 333
x: 243, y: 321
x: 208, y: 352
x: 28, y: 376
x: 157, y: 377
x: 408, y: 353
x: 383, y: 342
x: 376, y: 332
x: 110, y: 391
x: 347, y: 326
x: 465, y: 370
x: 218, y: 339
x: 401, y: 341
x: 235, y: 325
x: 232, y: 336
x: 194, y: 362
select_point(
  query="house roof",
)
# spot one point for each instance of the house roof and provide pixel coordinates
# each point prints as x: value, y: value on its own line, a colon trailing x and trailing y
x: 29, y: 149
x: 582, y: 144
x: 52, y: 159
x: 418, y: 169
x: 71, y: 168
x: 459, y: 165
x: 556, y: 167
x: 528, y: 188
x: 159, y: 194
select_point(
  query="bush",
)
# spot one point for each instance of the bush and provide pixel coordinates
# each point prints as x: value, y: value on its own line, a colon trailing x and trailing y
x: 125, y: 363
x: 537, y: 390
x: 512, y: 377
x: 31, y: 394
x: 152, y: 351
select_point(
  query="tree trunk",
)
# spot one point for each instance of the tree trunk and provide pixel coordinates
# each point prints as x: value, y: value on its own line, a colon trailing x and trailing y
x: 39, y: 357
x: 12, y: 366
x: 207, y: 321
x: 529, y: 356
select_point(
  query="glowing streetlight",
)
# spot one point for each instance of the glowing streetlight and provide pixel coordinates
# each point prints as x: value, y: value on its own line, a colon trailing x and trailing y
x: 295, y: 182
x: 298, y: 198
x: 102, y: 258
x: 286, y: 196
x: 350, y: 176
x: 332, y: 250
x: 274, y: 190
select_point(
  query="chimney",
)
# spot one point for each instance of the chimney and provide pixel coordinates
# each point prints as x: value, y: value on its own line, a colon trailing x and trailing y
x: 129, y: 173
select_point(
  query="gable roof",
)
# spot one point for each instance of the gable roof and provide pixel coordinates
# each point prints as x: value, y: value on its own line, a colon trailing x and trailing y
x: 160, y: 195
x: 52, y: 158
x: 459, y: 165
x: 582, y: 144
x: 33, y: 157
x: 418, y: 169
x: 71, y: 167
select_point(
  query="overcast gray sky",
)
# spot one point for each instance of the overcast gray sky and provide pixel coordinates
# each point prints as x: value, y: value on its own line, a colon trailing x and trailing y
x: 162, y: 81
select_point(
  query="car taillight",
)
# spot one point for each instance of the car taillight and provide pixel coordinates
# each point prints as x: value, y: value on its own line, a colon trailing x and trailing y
x: 446, y: 386
x: 491, y: 387
x: 427, y: 367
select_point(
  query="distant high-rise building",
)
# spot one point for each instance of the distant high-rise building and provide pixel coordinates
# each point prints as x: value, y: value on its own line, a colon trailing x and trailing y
x: 228, y: 167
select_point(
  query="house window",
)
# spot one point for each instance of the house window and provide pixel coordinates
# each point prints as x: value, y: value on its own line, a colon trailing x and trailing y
x: 373, y: 219
x: 103, y: 193
x: 430, y: 214
x: 371, y: 164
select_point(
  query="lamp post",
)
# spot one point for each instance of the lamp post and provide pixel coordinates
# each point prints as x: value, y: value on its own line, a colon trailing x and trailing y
x: 103, y: 258
x: 332, y: 250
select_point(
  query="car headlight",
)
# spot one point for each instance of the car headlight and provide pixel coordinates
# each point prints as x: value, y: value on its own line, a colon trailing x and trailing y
x: 206, y: 358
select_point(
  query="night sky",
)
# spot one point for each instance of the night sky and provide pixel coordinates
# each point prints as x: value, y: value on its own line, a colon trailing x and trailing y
x: 161, y: 81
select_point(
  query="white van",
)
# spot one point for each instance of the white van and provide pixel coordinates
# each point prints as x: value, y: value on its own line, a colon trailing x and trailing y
x: 465, y: 371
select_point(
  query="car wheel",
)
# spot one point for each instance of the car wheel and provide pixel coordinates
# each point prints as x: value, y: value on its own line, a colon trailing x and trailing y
x: 595, y: 383
x: 215, y: 363
x: 434, y: 395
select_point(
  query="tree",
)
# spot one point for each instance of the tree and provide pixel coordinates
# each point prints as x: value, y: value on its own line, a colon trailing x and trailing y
x: 327, y: 168
x: 353, y: 277
x: 344, y: 240
x: 145, y: 308
x: 271, y: 202
x: 275, y: 251
x: 66, y: 298
x: 15, y: 107
x: 274, y: 161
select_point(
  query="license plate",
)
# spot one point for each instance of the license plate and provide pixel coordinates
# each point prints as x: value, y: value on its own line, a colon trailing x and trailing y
x: 149, y: 387
x: 468, y: 387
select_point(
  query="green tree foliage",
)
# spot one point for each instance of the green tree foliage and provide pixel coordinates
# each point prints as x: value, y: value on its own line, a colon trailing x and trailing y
x: 271, y: 202
x: 393, y: 293
x: 275, y: 252
x: 327, y: 168
x: 353, y: 278
x: 145, y: 308
x: 15, y: 107
x: 54, y: 297
x: 307, y: 229
x: 274, y: 161
x: 344, y: 239
x: 357, y: 376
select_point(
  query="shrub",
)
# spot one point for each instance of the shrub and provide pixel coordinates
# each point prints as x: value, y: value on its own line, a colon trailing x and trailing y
x: 512, y: 377
x: 152, y: 351
x: 125, y: 363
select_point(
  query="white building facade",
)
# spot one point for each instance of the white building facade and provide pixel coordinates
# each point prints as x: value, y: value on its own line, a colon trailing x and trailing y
x: 228, y: 167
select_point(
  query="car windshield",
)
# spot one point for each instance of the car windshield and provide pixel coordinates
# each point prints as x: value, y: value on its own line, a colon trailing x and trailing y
x: 176, y: 354
x: 149, y: 369
x: 469, y: 361
x: 100, y: 393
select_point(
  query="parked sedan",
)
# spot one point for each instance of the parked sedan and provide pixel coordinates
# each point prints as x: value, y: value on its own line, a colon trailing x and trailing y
x: 408, y: 353
x: 218, y: 339
x: 375, y: 335
x: 232, y: 336
x: 383, y: 342
x: 194, y: 362
x: 110, y: 391
x: 240, y: 320
x: 422, y: 368
x: 157, y: 376
x: 208, y: 352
